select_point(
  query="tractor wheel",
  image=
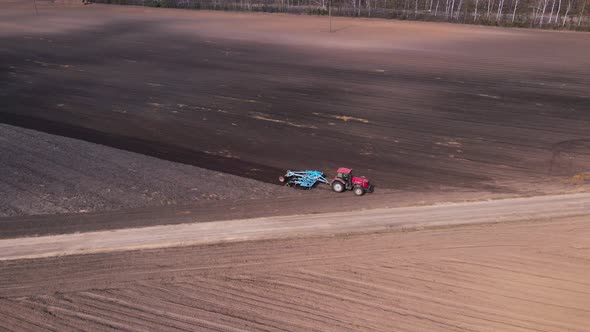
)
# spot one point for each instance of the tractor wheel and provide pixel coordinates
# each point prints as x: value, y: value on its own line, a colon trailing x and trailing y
x: 359, y: 191
x: 338, y: 186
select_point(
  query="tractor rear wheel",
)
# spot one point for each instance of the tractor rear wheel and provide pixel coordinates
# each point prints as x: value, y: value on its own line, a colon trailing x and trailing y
x: 359, y: 191
x: 338, y: 186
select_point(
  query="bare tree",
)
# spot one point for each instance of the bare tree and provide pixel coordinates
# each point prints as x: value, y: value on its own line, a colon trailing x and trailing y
x: 569, y: 6
x: 543, y: 13
x: 447, y: 9
x: 514, y: 12
x: 500, y: 8
x: 459, y: 9
x: 573, y: 15
x: 582, y: 12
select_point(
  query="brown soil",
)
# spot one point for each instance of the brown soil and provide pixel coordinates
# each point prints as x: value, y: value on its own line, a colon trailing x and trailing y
x: 529, y: 276
x: 410, y: 105
x: 415, y: 107
x: 47, y: 174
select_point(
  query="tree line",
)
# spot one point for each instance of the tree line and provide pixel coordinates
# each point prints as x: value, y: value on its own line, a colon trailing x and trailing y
x: 546, y: 14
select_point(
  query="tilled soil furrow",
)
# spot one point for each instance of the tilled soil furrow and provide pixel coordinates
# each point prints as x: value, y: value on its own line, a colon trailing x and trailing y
x: 249, y: 294
x: 143, y: 312
x: 74, y: 318
x: 315, y: 290
x: 277, y: 319
x: 479, y: 314
x: 14, y: 319
x: 486, y: 287
x: 119, y: 314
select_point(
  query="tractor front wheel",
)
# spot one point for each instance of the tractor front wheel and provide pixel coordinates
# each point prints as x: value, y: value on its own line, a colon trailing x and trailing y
x: 358, y: 191
x: 338, y: 186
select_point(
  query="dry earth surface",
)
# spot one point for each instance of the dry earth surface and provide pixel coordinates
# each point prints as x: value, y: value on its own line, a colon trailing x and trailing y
x: 424, y: 110
x: 527, y: 276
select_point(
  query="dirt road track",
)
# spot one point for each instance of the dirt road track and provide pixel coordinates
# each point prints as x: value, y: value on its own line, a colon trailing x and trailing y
x: 321, y: 200
x: 544, y: 207
x: 524, y: 276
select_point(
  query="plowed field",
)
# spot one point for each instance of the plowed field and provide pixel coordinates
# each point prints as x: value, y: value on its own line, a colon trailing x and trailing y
x: 529, y: 276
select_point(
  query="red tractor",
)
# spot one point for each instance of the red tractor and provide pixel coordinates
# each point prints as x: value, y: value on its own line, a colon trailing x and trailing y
x: 344, y: 180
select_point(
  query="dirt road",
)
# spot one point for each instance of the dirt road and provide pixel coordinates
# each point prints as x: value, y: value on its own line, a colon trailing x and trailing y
x: 545, y: 207
x: 524, y: 276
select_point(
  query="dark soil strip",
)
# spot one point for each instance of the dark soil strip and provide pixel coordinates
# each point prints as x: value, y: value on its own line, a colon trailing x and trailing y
x: 150, y: 148
x: 42, y: 225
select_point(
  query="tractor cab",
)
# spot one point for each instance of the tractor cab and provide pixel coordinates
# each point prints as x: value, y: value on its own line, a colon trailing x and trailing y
x: 345, y: 175
x: 344, y: 180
